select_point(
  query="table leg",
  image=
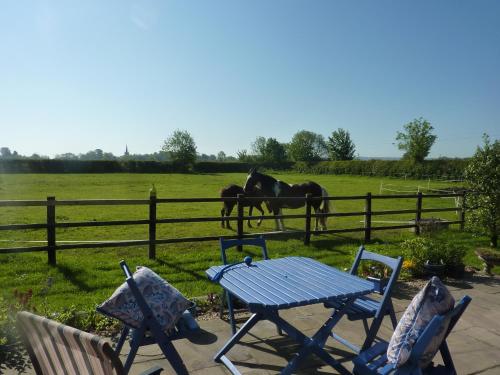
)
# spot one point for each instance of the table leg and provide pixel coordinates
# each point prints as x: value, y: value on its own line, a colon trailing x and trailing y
x: 314, y: 344
x: 238, y: 335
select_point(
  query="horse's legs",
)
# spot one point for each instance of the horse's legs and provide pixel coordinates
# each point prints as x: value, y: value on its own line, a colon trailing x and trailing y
x: 316, y: 210
x: 259, y: 207
x: 250, y: 210
x: 222, y: 212
x: 229, y: 209
x: 281, y: 221
x: 320, y: 219
x: 276, y: 211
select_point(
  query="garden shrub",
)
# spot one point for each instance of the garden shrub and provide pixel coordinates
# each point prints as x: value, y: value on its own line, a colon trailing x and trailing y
x: 417, y: 251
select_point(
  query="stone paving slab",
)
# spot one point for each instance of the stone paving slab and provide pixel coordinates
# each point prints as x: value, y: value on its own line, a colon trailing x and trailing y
x: 474, y: 343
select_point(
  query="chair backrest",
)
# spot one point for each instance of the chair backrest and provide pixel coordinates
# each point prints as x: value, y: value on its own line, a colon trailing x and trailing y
x: 54, y: 347
x: 435, y: 327
x: 394, y: 264
x: 255, y: 241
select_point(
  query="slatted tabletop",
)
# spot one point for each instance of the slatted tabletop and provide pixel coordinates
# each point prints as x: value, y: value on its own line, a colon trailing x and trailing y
x: 288, y: 282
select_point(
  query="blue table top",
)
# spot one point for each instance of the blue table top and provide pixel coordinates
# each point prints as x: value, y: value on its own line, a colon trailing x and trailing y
x: 289, y: 282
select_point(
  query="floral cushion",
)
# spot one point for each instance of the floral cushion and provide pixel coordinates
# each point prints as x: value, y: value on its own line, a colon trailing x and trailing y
x: 433, y: 299
x: 166, y: 302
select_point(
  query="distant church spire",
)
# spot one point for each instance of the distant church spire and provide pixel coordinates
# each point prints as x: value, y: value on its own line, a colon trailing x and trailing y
x: 126, y: 151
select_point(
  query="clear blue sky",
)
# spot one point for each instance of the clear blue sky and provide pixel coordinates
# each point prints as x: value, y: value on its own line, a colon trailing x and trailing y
x: 80, y: 75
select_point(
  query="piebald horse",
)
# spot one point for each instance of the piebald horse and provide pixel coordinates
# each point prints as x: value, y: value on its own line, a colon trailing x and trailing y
x: 270, y: 187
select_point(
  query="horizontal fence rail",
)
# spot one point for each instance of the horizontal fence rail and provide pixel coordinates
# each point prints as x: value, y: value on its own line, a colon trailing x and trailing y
x: 152, y: 221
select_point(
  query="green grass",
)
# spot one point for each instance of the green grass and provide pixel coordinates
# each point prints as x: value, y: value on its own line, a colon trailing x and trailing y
x: 85, y: 277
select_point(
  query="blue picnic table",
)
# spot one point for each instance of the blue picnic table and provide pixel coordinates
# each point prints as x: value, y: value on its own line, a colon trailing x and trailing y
x: 270, y: 285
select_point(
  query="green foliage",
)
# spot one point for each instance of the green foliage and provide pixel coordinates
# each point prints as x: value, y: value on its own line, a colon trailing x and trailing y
x: 483, y: 177
x: 268, y: 151
x: 181, y: 147
x: 340, y: 145
x: 307, y: 146
x: 419, y: 250
x: 448, y: 168
x: 274, y: 152
x: 416, y: 140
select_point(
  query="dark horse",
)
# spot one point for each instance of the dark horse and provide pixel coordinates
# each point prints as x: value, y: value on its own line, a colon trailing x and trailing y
x: 232, y: 191
x: 270, y: 187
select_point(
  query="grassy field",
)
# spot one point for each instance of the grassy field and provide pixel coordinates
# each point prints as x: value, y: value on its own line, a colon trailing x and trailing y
x: 85, y: 277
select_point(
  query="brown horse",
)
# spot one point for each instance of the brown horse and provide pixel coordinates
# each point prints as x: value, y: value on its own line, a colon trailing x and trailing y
x: 232, y: 191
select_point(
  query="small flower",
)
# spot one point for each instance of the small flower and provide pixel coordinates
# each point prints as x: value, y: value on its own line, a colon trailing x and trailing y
x: 408, y: 264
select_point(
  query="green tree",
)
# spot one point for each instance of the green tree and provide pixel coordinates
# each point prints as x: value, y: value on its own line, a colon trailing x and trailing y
x: 259, y: 146
x: 340, y: 145
x: 274, y: 151
x: 483, y: 177
x: 307, y: 146
x: 416, y: 140
x: 221, y: 156
x: 5, y: 152
x: 181, y: 147
x: 242, y: 155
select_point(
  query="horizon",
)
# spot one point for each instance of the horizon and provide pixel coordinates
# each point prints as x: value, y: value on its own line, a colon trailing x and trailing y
x: 95, y: 75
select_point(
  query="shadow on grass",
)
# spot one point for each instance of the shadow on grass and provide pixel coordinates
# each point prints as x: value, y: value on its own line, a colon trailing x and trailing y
x: 178, y: 267
x: 77, y: 277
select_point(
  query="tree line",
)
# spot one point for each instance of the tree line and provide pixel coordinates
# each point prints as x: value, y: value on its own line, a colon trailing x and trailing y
x: 415, y: 140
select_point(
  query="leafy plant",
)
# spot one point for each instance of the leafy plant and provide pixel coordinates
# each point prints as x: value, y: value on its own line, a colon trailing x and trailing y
x: 417, y: 251
x: 483, y: 177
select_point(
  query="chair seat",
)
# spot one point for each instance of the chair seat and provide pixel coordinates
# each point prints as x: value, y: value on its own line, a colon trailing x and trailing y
x: 362, y: 308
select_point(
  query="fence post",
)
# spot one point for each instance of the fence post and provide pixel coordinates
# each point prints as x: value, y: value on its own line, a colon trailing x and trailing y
x: 462, y: 212
x: 307, y: 237
x: 240, y: 219
x: 368, y: 217
x: 152, y: 224
x: 418, y: 215
x: 51, y: 230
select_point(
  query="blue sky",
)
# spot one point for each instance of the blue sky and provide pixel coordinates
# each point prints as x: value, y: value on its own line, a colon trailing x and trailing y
x: 76, y: 76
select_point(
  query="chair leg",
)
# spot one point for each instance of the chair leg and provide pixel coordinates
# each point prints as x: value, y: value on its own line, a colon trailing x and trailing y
x: 121, y: 340
x: 392, y: 314
x: 173, y: 356
x: 135, y: 343
x: 447, y: 360
x: 372, y: 333
x: 365, y: 325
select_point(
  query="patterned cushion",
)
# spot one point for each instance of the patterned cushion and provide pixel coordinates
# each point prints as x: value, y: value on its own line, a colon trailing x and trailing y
x: 166, y: 302
x: 433, y: 299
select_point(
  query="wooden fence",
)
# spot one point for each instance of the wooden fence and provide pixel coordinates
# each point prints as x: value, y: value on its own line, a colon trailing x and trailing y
x: 152, y: 221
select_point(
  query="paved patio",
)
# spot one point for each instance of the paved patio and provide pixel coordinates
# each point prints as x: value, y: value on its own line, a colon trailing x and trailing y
x: 474, y: 343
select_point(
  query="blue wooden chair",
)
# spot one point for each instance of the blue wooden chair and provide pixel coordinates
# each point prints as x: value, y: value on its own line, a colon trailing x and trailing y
x: 373, y: 361
x: 366, y: 307
x: 226, y: 244
x: 150, y: 332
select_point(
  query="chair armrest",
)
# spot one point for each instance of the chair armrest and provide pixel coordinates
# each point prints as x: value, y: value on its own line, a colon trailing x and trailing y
x: 152, y: 371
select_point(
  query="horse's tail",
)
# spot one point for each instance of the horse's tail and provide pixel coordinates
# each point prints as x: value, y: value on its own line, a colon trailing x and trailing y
x: 325, y: 209
x: 326, y: 202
